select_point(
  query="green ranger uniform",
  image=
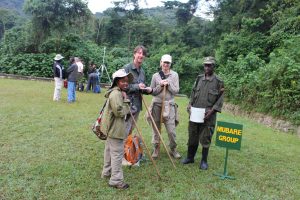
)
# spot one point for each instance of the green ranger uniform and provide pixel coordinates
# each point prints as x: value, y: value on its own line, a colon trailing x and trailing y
x: 208, y: 94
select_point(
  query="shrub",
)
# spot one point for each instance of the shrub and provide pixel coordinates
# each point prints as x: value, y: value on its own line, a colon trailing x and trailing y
x: 28, y: 64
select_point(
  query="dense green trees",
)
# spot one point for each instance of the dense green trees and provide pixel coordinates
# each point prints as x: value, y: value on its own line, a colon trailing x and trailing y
x: 184, y: 12
x: 56, y: 17
x: 259, y: 54
x: 8, y: 19
x: 255, y: 43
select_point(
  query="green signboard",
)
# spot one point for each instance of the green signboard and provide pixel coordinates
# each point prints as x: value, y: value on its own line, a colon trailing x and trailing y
x: 229, y: 135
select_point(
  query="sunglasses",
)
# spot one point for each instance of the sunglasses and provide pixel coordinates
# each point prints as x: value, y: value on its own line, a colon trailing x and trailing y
x: 167, y: 63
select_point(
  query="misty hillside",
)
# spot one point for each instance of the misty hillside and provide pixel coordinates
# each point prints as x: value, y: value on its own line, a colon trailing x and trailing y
x: 164, y: 16
x: 13, y: 5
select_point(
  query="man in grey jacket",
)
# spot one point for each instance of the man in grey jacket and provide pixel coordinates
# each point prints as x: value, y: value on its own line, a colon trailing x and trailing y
x: 73, y: 74
x: 137, y: 86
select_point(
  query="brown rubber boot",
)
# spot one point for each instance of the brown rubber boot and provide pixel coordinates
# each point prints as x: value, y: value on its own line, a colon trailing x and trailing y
x: 155, y: 152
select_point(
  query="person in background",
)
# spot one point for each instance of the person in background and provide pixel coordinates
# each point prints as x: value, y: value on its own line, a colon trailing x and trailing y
x: 169, y: 79
x: 97, y: 88
x: 59, y: 76
x: 207, y: 93
x: 92, y: 77
x: 80, y: 78
x: 79, y: 63
x: 113, y: 124
x: 137, y: 87
x: 72, y: 72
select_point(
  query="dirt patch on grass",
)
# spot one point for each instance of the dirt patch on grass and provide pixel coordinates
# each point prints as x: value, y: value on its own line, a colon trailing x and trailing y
x: 269, y: 121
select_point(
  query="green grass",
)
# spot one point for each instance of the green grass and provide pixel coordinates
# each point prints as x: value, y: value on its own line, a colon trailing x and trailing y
x: 47, y: 151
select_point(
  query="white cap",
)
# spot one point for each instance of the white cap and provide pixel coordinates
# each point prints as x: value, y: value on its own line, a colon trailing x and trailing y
x: 166, y: 58
x: 58, y: 57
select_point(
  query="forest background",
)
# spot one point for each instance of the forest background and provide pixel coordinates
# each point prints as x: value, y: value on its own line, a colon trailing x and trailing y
x: 256, y: 43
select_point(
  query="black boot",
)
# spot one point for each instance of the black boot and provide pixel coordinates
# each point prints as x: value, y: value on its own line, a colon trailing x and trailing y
x: 203, y: 163
x: 190, y: 155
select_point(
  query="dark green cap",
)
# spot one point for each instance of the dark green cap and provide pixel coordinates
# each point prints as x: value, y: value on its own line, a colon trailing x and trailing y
x: 209, y: 60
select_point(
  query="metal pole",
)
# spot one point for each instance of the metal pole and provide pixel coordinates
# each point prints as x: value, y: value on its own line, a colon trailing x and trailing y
x: 153, y: 123
x: 103, y: 55
x: 107, y: 74
x: 225, y: 173
x: 103, y: 67
x: 225, y: 166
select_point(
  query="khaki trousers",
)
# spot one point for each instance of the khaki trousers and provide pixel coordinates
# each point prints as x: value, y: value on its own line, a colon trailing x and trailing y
x: 57, y: 90
x: 169, y: 124
x: 113, y: 155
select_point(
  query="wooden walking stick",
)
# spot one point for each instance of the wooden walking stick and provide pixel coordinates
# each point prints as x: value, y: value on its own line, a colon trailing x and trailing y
x: 161, y: 113
x: 162, y: 107
x: 153, y: 122
x: 138, y: 130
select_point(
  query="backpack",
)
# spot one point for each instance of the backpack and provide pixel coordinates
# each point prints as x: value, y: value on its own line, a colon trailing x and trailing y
x: 133, y: 151
x: 97, y: 124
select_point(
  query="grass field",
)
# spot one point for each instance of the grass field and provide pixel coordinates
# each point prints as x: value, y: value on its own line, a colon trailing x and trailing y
x: 47, y: 151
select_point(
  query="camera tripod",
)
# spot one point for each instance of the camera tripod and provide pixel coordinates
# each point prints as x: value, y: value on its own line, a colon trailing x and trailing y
x: 103, y: 68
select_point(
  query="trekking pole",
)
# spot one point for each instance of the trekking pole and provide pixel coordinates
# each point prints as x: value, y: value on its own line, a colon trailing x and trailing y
x: 162, y: 110
x: 153, y: 122
x: 138, y: 130
x: 162, y: 106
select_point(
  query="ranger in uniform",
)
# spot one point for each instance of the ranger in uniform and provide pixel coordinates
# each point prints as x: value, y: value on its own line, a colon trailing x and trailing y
x: 207, y: 93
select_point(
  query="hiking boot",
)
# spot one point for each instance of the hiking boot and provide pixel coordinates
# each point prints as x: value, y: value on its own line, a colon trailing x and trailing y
x: 155, y: 153
x: 203, y: 165
x: 105, y: 176
x: 121, y: 186
x: 175, y: 154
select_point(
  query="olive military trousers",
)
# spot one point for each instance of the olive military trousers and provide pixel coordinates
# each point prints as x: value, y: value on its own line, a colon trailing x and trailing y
x: 200, y: 132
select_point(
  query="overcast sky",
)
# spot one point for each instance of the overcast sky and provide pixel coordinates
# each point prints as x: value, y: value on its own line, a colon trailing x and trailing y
x: 101, y: 5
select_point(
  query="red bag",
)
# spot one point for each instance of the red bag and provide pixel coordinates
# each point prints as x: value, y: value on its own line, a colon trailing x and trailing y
x: 65, y: 84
